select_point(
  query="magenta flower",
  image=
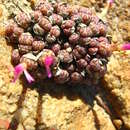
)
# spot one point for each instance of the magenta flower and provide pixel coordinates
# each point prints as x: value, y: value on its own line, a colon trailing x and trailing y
x: 125, y: 46
x: 110, y: 2
x: 48, y: 62
x: 19, y: 69
x: 29, y: 78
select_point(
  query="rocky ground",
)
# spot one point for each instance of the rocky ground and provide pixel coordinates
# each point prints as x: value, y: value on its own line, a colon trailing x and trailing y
x: 50, y: 107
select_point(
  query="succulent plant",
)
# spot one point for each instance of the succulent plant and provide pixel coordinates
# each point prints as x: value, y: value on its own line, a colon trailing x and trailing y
x: 15, y: 57
x: 59, y: 41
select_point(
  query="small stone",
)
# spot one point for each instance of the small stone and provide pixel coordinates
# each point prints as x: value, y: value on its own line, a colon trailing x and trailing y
x: 12, y: 108
x: 118, y: 123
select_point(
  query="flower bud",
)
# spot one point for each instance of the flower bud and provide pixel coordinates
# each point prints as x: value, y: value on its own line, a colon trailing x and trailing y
x: 85, y: 32
x: 86, y: 18
x: 69, y: 31
x: 76, y: 18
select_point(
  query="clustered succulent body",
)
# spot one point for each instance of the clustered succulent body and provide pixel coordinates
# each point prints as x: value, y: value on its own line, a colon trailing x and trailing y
x: 59, y: 41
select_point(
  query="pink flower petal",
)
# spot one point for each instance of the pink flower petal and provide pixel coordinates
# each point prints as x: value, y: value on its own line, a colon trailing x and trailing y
x: 18, y: 70
x: 29, y: 78
x: 125, y: 46
x: 110, y: 2
x: 48, y: 72
x: 48, y: 62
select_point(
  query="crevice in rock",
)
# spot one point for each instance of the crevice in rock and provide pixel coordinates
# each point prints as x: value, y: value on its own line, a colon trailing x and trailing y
x: 14, y: 122
x: 103, y: 102
x: 17, y: 6
x: 97, y: 122
x: 39, y: 111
